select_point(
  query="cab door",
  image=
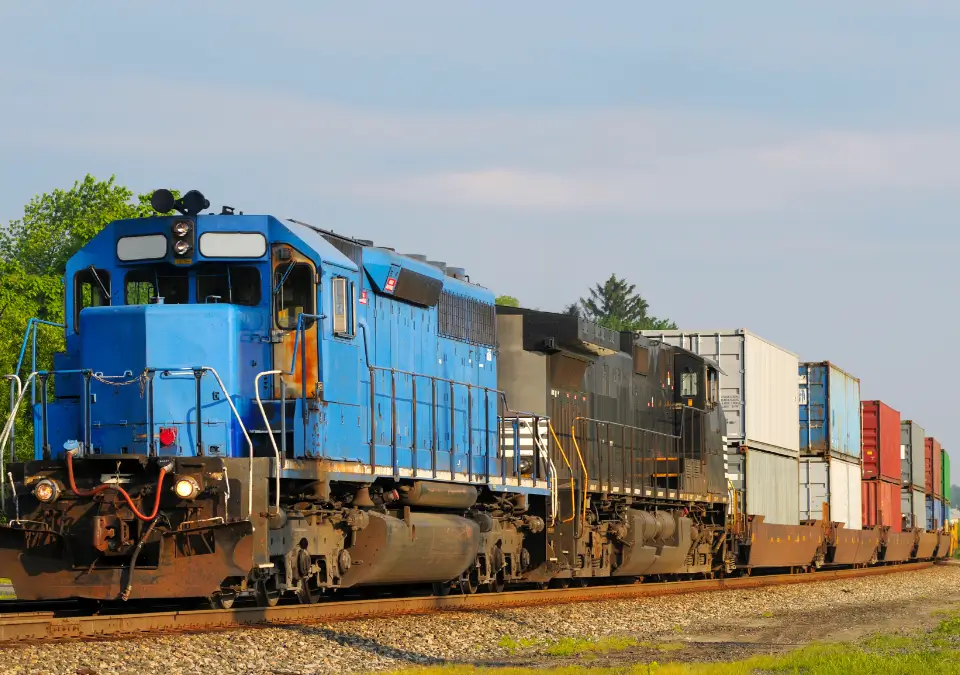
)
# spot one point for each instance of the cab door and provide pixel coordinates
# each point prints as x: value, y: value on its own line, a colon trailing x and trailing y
x: 294, y: 288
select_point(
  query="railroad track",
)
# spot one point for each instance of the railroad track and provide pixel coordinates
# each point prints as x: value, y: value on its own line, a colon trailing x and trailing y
x: 43, y: 626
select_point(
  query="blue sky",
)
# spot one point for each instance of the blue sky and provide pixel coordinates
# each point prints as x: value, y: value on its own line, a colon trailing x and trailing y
x: 788, y: 169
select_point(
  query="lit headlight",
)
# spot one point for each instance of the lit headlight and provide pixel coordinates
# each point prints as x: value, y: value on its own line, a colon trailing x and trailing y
x: 46, y: 490
x: 186, y: 488
x: 181, y: 247
x: 181, y: 228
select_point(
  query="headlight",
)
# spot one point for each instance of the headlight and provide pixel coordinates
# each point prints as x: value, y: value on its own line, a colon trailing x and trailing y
x: 186, y: 488
x: 46, y: 491
x: 181, y: 247
x: 181, y: 228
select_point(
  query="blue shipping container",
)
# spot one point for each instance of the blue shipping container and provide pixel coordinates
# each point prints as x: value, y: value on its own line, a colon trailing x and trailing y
x: 930, y: 514
x: 829, y: 410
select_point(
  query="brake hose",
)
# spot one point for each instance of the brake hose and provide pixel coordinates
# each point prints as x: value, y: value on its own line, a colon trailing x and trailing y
x: 106, y: 486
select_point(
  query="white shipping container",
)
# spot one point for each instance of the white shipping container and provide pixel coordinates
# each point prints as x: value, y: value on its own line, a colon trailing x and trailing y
x: 834, y: 482
x: 758, y: 386
x: 770, y: 484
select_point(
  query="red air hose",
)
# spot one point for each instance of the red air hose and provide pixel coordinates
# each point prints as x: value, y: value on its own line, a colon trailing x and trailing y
x: 107, y: 486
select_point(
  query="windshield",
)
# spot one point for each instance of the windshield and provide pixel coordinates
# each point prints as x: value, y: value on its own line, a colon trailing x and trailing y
x: 211, y: 283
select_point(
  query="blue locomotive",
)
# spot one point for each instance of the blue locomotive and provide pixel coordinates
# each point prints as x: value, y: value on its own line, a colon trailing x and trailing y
x: 255, y: 407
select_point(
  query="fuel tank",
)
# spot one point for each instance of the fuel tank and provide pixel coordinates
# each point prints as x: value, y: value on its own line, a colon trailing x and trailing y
x: 423, y: 547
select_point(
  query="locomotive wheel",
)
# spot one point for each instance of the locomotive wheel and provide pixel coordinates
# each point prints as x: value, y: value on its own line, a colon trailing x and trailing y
x: 267, y: 593
x: 442, y: 589
x: 308, y: 593
x: 470, y: 583
x: 223, y: 599
x: 560, y: 583
x: 498, y: 583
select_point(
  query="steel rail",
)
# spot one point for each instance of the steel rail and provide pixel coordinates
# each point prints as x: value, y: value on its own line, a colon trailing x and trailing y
x: 45, y: 627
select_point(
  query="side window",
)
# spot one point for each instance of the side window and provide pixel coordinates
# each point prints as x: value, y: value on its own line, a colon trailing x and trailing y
x: 91, y: 288
x: 688, y: 384
x: 343, y: 308
x: 293, y: 294
x: 713, y: 386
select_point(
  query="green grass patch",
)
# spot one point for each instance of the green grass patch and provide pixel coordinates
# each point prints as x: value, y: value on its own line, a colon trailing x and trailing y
x: 586, y: 646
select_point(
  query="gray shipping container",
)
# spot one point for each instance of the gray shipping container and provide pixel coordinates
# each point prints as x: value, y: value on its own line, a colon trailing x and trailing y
x: 911, y: 454
x: 769, y: 484
x: 833, y: 481
x: 913, y: 508
x: 758, y: 386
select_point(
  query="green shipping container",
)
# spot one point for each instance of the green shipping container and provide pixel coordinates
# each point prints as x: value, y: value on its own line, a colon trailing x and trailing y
x: 945, y: 468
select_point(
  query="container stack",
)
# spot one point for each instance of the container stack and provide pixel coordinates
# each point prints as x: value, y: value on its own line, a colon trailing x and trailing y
x: 882, y: 466
x: 913, y: 492
x: 758, y: 392
x: 829, y: 416
x: 933, y: 482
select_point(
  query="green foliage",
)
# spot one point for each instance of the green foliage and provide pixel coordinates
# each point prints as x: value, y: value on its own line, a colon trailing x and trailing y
x: 955, y: 494
x: 616, y: 305
x: 507, y: 301
x: 34, y: 250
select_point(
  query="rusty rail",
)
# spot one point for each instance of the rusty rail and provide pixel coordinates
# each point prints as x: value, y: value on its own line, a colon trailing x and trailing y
x: 44, y: 626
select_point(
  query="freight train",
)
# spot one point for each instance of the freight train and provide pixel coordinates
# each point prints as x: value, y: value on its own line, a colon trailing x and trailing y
x: 258, y: 408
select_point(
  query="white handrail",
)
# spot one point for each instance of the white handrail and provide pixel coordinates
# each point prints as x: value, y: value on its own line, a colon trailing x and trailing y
x: 13, y: 413
x: 245, y: 435
x: 273, y: 441
x: 3, y: 448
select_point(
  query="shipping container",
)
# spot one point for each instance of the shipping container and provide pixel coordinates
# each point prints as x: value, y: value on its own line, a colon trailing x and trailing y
x: 932, y: 469
x: 881, y: 442
x: 930, y: 518
x: 829, y: 407
x: 912, y: 508
x: 911, y: 453
x: 881, y: 504
x: 768, y: 483
x: 945, y: 470
x: 832, y: 481
x: 758, y: 386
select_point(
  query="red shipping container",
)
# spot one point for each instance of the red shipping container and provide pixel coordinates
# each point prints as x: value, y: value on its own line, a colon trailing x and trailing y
x: 933, y: 478
x: 881, y: 504
x: 881, y: 441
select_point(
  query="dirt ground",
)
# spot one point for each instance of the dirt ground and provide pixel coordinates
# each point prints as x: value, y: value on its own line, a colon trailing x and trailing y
x: 773, y: 633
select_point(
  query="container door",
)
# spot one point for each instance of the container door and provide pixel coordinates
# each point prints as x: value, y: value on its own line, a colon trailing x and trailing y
x: 294, y: 287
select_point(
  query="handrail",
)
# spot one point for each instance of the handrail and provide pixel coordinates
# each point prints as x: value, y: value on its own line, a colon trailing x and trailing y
x: 586, y: 477
x: 273, y: 441
x: 573, y: 493
x: 14, y: 380
x: 32, y: 325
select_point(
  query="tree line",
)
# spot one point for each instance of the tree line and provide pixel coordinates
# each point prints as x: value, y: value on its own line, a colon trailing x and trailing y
x: 614, y: 304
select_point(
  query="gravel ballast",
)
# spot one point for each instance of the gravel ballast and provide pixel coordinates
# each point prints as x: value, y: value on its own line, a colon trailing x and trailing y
x: 782, y: 616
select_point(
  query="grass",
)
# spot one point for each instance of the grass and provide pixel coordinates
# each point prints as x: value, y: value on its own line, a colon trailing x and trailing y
x: 585, y: 646
x: 937, y: 651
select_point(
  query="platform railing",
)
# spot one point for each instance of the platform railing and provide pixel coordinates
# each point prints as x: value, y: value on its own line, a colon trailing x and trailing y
x: 146, y: 383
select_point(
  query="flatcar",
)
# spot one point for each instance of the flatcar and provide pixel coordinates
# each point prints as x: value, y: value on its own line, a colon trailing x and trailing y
x: 248, y: 406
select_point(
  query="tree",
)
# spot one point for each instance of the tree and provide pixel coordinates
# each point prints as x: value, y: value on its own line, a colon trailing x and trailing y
x: 507, y: 301
x: 615, y: 304
x: 33, y: 255
x: 573, y: 309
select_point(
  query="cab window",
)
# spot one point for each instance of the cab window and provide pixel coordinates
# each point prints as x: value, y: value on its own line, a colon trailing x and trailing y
x: 234, y: 284
x: 293, y: 294
x: 141, y: 286
x: 688, y: 383
x: 713, y: 387
x: 91, y: 288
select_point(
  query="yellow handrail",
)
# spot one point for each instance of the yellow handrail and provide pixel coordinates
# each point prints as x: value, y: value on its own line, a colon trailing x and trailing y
x: 586, y: 477
x: 573, y: 494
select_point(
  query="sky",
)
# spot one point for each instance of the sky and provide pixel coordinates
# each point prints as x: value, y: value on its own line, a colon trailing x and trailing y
x: 790, y: 168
